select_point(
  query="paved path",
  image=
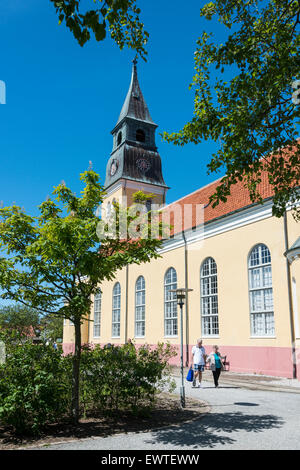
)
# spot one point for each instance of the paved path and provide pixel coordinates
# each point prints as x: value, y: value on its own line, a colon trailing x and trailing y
x: 251, y: 381
x: 239, y: 419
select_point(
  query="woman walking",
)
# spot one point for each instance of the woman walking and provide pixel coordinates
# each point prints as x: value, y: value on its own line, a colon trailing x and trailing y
x: 216, y: 365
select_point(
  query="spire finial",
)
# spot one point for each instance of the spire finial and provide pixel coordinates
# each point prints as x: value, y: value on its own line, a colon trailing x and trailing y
x: 135, y: 61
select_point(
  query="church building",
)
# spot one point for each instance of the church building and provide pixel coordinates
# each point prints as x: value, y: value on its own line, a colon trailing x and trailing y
x: 241, y: 263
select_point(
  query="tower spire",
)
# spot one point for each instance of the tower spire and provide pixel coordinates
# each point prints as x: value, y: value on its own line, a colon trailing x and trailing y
x: 135, y: 105
x: 134, y: 156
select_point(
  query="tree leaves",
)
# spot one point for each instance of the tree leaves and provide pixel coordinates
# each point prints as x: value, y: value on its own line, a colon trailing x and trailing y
x: 252, y: 114
x: 118, y: 17
x: 55, y: 262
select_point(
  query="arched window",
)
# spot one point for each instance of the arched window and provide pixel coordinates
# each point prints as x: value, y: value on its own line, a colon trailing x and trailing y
x: 261, y: 291
x: 119, y: 139
x: 116, y: 310
x: 140, y: 135
x: 140, y: 290
x: 171, y: 326
x: 209, y: 298
x: 97, y: 314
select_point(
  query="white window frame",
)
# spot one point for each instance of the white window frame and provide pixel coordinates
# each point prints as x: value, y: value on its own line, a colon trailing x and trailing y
x: 97, y: 315
x: 116, y: 310
x: 263, y: 292
x: 170, y: 303
x: 211, y: 297
x: 140, y: 307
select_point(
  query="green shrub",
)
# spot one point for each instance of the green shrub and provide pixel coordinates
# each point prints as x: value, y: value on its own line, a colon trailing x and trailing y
x: 35, y: 382
x: 34, y: 387
x: 123, y: 378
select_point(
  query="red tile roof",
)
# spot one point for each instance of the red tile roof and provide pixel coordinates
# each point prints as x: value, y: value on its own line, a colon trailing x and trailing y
x: 237, y: 200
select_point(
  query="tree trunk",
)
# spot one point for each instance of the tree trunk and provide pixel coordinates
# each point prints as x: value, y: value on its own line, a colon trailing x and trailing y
x: 76, y: 371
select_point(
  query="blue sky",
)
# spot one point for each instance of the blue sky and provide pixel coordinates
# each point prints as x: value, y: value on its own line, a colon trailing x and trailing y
x: 63, y: 100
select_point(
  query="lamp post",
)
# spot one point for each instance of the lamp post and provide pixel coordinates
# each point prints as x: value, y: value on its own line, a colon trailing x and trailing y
x: 181, y: 295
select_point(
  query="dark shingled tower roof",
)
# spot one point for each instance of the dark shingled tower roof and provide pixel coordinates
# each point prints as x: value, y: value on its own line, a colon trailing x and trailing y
x: 134, y: 155
x: 134, y: 105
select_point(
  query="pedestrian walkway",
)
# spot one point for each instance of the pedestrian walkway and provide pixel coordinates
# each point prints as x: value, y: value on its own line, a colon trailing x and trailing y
x: 250, y: 381
x: 239, y: 418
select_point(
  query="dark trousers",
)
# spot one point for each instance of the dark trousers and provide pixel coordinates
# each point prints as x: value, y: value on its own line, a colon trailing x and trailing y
x: 216, y: 374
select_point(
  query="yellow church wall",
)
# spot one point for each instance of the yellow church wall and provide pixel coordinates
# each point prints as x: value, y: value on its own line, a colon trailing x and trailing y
x: 293, y: 234
x: 154, y: 301
x: 229, y: 241
x: 69, y: 337
x: 106, y: 312
x: 117, y: 195
x: 295, y: 275
x: 293, y: 228
x: 230, y: 250
x: 85, y: 332
x: 154, y: 273
x: 157, y: 198
x: 122, y: 192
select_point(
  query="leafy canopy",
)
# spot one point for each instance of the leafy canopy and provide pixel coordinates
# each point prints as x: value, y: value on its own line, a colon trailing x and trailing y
x: 119, y: 17
x: 20, y: 318
x: 55, y: 262
x: 253, y: 115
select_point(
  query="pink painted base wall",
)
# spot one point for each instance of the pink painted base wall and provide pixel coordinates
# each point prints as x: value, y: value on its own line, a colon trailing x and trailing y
x: 271, y: 361
x: 68, y: 348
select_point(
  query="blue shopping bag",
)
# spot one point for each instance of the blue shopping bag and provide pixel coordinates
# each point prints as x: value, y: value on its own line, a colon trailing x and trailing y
x: 190, y: 375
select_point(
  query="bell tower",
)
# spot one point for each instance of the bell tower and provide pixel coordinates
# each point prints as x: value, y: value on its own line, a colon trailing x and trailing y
x: 134, y: 163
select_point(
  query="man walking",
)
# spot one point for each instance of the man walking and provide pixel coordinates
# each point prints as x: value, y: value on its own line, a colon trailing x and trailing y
x: 199, y: 358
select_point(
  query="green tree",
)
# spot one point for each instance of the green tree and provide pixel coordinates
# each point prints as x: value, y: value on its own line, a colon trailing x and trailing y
x: 254, y: 115
x: 119, y: 17
x: 52, y: 327
x: 20, y: 318
x: 55, y: 262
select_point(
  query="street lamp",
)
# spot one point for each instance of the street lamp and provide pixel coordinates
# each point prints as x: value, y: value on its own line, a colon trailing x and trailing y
x: 181, y: 295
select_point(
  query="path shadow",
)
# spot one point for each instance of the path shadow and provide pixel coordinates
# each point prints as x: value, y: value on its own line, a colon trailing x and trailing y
x: 220, y: 386
x: 166, y: 412
x: 245, y: 403
x: 210, y: 430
